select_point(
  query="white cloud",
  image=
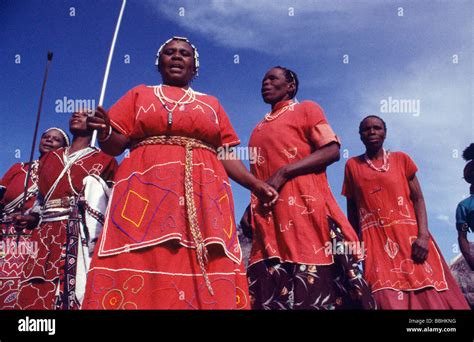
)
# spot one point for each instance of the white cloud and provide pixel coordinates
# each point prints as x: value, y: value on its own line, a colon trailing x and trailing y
x: 322, y: 26
x: 443, y: 218
x: 265, y: 25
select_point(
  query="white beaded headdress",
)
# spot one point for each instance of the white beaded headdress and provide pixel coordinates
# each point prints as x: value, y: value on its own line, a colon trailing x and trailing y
x: 184, y: 39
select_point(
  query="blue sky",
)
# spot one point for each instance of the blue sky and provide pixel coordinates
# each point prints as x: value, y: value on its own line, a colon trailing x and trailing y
x: 406, y: 50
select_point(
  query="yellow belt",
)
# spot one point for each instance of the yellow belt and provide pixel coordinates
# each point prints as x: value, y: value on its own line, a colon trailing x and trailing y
x: 189, y: 144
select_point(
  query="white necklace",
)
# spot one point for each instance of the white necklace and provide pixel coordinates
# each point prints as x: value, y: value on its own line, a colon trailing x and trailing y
x: 270, y: 116
x: 386, y: 162
x: 189, y: 93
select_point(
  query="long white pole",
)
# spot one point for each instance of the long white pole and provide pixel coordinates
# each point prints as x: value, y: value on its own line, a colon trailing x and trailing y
x: 109, y: 61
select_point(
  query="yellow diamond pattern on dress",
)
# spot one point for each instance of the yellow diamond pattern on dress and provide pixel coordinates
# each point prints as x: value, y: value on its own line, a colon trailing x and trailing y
x: 135, y: 201
x: 228, y: 233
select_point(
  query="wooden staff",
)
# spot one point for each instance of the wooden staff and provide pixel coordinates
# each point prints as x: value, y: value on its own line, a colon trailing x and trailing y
x: 33, y: 145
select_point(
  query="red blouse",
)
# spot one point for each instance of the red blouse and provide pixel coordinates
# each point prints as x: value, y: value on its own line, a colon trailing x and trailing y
x: 148, y: 203
x: 51, y: 165
x: 14, y: 182
x: 296, y: 229
x: 389, y: 227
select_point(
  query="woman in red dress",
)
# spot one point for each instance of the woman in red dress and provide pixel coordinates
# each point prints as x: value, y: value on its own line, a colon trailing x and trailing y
x: 403, y: 265
x: 170, y: 241
x: 49, y: 276
x: 304, y: 249
x: 14, y: 248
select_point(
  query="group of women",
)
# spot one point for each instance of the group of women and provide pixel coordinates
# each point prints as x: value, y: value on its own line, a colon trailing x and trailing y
x: 169, y: 238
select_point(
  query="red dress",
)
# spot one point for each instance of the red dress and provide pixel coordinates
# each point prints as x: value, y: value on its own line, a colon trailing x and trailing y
x: 296, y: 229
x: 389, y: 227
x: 146, y: 257
x: 43, y: 274
x: 295, y: 261
x: 13, y: 256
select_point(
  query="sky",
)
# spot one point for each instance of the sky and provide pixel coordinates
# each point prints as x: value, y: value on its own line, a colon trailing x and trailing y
x: 352, y: 57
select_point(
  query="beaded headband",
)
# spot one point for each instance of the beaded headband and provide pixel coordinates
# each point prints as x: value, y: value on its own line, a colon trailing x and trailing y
x: 184, y: 39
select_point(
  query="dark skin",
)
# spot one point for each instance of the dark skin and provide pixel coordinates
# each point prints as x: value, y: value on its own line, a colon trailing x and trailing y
x: 276, y: 88
x: 81, y: 139
x: 51, y: 140
x: 177, y: 69
x: 373, y: 136
x: 245, y: 223
x: 464, y: 244
x: 463, y: 229
x: 82, y: 135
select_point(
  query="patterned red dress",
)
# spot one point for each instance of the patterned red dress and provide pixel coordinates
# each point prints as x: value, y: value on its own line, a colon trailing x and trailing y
x: 389, y: 227
x: 294, y: 262
x: 43, y: 275
x: 147, y: 255
x: 13, y: 255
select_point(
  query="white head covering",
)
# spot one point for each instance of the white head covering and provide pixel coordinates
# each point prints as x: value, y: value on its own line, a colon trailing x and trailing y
x: 196, y: 54
x: 65, y: 136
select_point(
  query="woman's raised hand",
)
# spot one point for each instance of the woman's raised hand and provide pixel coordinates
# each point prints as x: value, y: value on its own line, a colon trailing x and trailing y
x: 100, y: 121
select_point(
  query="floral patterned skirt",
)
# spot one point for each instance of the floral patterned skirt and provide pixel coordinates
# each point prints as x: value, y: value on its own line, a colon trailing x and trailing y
x: 277, y: 285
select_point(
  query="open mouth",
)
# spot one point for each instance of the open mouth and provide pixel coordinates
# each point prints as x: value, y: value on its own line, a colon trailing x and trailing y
x: 176, y: 67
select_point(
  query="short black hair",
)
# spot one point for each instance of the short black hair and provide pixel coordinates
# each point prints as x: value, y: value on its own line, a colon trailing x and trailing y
x: 468, y: 153
x: 374, y: 117
x: 291, y: 77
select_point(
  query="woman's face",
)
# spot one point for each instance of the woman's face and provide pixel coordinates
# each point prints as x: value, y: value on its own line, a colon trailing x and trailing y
x: 372, y: 133
x: 50, y: 141
x: 177, y: 63
x: 77, y: 123
x: 275, y: 87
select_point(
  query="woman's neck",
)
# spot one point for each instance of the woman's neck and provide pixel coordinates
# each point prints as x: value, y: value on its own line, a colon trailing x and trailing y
x: 274, y: 105
x: 79, y: 143
x: 375, y: 154
x: 185, y: 87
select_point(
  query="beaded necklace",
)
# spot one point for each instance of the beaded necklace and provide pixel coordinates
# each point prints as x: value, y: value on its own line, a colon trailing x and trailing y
x: 158, y: 90
x: 386, y: 162
x: 270, y: 117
